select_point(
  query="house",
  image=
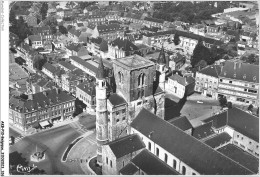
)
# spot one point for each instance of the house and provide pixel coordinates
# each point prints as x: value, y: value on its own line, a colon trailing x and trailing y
x: 198, y: 29
x: 108, y: 32
x: 13, y: 39
x: 116, y: 154
x: 146, y: 163
x: 135, y: 27
x: 182, y: 123
x: 66, y: 66
x: 239, y: 83
x: 207, y: 81
x: 35, y: 41
x: 178, y: 149
x: 153, y: 22
x: 44, y: 32
x: 36, y: 84
x: 121, y: 47
x: 180, y: 86
x: 84, y: 65
x: 86, y: 92
x: 242, y: 127
x: 33, y: 19
x: 98, y: 46
x: 176, y: 61
x: 40, y: 109
x: 74, y: 34
x: 60, y: 12
x: 213, y: 30
x: 248, y: 37
x: 96, y: 19
x: 73, y: 49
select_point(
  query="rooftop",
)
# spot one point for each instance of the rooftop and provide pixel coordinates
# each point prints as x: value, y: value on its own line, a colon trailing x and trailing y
x: 40, y: 100
x: 88, y: 87
x: 240, y: 71
x: 126, y: 145
x: 185, y: 147
x: 133, y: 62
x: 239, y: 120
x: 181, y: 122
x: 218, y: 140
x: 240, y: 156
x: 152, y: 165
x: 16, y: 72
x: 116, y: 99
x: 124, y: 44
x: 203, y: 131
x: 67, y: 65
x: 212, y: 70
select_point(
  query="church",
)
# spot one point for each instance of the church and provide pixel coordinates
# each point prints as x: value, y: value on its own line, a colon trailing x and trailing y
x: 140, y: 83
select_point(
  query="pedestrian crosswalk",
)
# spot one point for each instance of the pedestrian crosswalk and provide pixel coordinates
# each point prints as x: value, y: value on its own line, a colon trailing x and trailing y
x: 78, y: 127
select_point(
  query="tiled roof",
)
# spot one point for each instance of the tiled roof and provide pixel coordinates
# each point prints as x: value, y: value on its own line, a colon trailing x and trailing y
x: 181, y: 122
x: 109, y: 28
x: 212, y: 70
x: 124, y: 44
x: 40, y: 101
x: 181, y: 80
x: 37, y: 30
x: 50, y: 67
x: 241, y: 121
x: 126, y: 145
x: 116, y: 100
x: 203, y: 131
x: 67, y: 65
x: 154, y: 20
x: 103, y: 46
x: 152, y: 165
x: 191, y: 151
x: 129, y: 169
x: 74, y: 47
x: 84, y: 63
x: 75, y: 32
x: 88, y: 87
x: 187, y: 35
x: 35, y: 38
x: 218, y: 140
x: 240, y: 71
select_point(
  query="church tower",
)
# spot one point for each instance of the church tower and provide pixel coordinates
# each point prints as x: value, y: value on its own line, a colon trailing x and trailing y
x: 162, y: 68
x: 101, y: 111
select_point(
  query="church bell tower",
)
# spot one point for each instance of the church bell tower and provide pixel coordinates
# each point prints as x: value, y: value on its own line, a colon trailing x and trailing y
x: 101, y: 111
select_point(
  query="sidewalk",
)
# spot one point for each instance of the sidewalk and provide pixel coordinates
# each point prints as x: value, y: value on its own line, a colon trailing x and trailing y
x: 56, y: 125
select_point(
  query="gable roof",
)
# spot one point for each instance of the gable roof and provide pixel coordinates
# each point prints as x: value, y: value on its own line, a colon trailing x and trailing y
x: 203, y: 131
x: 75, y: 32
x: 154, y: 20
x: 84, y: 63
x: 67, y: 65
x: 40, y: 101
x: 152, y: 165
x: 124, y: 44
x: 50, y: 67
x: 181, y: 80
x: 185, y: 147
x: 129, y: 169
x: 88, y: 87
x: 109, y: 28
x: 126, y: 145
x: 240, y: 71
x: 218, y: 140
x: 181, y: 122
x: 116, y: 99
x: 35, y: 38
x: 211, y: 70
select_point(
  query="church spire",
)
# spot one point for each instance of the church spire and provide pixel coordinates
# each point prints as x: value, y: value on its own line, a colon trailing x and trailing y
x: 101, y: 70
x: 161, y: 58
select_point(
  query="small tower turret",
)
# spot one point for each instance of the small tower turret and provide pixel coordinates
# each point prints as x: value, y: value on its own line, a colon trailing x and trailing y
x: 101, y: 111
x: 162, y: 68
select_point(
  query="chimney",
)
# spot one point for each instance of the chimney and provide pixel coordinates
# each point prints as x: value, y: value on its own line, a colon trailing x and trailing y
x: 30, y: 97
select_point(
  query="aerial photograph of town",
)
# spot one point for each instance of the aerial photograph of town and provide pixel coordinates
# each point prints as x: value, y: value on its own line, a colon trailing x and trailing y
x: 133, y: 88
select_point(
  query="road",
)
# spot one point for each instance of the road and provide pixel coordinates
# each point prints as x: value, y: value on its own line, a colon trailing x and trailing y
x: 54, y: 142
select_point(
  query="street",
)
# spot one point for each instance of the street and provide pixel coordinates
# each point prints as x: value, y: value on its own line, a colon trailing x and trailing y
x: 54, y: 142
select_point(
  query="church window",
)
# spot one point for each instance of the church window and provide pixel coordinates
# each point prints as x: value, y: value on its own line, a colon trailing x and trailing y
x: 107, y: 160
x: 111, y: 163
x: 139, y: 103
x: 149, y: 146
x: 121, y: 77
x: 193, y: 173
x: 183, y: 170
x: 165, y: 158
x: 157, y: 151
x: 174, y: 163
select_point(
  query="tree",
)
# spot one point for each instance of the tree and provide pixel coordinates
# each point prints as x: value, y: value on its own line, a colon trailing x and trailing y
x: 39, y: 61
x: 63, y: 30
x: 229, y: 105
x: 200, y: 52
x: 250, y: 108
x: 201, y: 64
x: 176, y: 39
x: 44, y: 10
x: 222, y: 101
